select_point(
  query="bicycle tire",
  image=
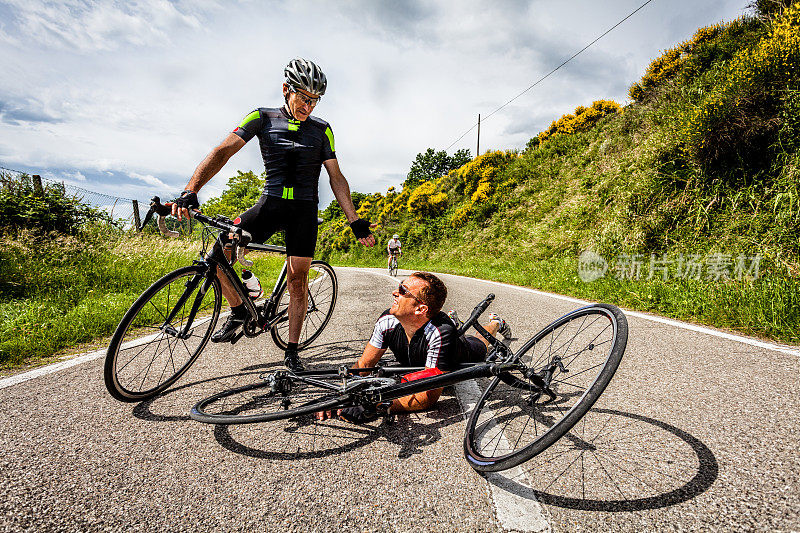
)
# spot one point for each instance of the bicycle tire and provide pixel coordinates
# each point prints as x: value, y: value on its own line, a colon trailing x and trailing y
x: 323, y: 288
x: 140, y: 367
x: 250, y: 403
x: 510, y: 424
x: 393, y: 267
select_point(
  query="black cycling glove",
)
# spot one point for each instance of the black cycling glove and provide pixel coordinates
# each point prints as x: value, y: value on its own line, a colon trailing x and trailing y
x: 360, y: 228
x: 359, y: 414
x: 188, y: 199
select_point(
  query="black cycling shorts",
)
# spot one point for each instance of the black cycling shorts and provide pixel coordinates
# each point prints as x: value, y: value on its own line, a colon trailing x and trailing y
x: 298, y: 219
x: 473, y: 350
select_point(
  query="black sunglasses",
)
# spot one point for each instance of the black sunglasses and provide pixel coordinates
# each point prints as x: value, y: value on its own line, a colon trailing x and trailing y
x: 311, y: 102
x: 403, y: 291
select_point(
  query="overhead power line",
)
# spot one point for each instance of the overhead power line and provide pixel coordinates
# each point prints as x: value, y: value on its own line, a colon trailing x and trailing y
x: 540, y: 80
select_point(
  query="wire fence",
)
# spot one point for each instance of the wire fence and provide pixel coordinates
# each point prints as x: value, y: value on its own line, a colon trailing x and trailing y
x: 124, y: 212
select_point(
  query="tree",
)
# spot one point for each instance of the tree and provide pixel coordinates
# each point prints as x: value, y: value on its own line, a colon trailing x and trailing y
x: 241, y: 193
x: 431, y: 164
x: 334, y: 210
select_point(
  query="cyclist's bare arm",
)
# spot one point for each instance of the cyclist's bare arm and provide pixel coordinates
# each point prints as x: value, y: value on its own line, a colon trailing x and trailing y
x: 209, y: 167
x: 341, y: 190
x: 414, y: 402
x: 370, y: 357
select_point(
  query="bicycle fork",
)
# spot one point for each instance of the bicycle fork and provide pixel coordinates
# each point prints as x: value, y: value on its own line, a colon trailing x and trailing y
x: 191, y: 284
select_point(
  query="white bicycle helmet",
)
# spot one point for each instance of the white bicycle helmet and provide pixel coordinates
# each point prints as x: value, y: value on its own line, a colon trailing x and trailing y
x: 304, y: 74
x: 395, y: 236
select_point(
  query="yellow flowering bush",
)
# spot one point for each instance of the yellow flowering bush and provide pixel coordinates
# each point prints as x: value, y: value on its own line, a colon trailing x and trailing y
x: 461, y: 216
x: 393, y: 205
x: 483, y: 168
x: 737, y: 111
x: 583, y: 119
x: 671, y: 61
x: 425, y: 202
x: 479, y: 180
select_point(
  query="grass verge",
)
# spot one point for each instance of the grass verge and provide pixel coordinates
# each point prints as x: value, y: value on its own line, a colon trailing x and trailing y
x: 67, y: 291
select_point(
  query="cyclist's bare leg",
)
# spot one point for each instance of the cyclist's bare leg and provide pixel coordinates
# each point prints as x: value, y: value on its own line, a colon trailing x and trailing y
x: 228, y: 292
x: 297, y: 281
x: 492, y: 328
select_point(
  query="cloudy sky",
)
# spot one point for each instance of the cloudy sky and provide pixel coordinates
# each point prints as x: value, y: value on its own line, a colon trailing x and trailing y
x: 127, y: 97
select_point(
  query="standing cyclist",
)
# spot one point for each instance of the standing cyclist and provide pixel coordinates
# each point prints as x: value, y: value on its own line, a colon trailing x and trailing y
x: 393, y: 247
x: 294, y: 146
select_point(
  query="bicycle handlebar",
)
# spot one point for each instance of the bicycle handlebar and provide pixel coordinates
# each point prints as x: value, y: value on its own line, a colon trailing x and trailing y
x: 241, y: 238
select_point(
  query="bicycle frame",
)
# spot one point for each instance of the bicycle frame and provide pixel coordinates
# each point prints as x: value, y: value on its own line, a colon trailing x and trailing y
x: 467, y: 372
x: 216, y: 261
x: 232, y: 238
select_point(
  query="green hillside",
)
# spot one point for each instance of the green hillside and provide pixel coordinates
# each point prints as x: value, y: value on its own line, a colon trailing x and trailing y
x: 690, y: 193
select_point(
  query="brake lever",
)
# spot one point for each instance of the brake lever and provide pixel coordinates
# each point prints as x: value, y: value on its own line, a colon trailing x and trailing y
x: 162, y: 211
x: 244, y: 239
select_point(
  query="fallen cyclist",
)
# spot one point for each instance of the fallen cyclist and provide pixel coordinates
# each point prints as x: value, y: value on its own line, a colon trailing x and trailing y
x: 418, y: 334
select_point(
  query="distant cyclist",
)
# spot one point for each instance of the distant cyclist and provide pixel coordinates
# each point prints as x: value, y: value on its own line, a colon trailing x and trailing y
x: 295, y: 146
x: 394, y: 248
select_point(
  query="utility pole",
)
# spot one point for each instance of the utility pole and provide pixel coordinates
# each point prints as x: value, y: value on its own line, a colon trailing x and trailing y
x: 478, y: 149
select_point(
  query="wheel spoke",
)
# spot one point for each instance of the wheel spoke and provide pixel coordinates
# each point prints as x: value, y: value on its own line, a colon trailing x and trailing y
x: 140, y: 368
x: 574, y: 358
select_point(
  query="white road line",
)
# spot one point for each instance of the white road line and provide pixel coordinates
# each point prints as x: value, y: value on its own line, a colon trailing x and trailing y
x: 78, y: 360
x: 514, y: 499
x: 50, y: 369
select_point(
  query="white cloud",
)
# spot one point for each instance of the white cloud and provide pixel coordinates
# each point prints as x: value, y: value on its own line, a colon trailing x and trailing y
x: 99, y: 26
x: 150, y: 180
x: 75, y: 176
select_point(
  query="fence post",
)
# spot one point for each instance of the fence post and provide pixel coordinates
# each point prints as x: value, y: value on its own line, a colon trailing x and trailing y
x: 136, y: 219
x: 37, y: 185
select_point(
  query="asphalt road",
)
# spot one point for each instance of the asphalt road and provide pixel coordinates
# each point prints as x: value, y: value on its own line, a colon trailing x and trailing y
x: 696, y: 432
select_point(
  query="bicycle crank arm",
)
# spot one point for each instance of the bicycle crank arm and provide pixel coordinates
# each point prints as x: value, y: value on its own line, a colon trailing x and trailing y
x: 236, y: 338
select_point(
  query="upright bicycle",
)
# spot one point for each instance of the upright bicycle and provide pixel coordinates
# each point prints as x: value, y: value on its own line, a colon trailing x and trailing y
x: 393, y: 265
x: 169, y: 325
x: 532, y: 397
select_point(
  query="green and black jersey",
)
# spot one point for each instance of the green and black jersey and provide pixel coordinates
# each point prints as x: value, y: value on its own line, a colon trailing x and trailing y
x: 293, y: 151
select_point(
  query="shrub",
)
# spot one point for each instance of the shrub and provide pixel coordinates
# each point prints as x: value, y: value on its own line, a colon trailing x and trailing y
x: 739, y: 119
x: 22, y: 207
x: 479, y: 180
x: 583, y: 119
x: 425, y: 202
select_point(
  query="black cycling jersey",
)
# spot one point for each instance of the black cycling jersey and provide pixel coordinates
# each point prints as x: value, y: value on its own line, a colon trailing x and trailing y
x: 434, y: 345
x: 293, y: 151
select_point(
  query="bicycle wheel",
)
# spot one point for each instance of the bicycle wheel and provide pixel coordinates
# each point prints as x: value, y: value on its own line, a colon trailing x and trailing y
x: 270, y: 399
x: 393, y: 267
x: 322, y: 290
x: 147, y: 353
x: 577, y: 356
